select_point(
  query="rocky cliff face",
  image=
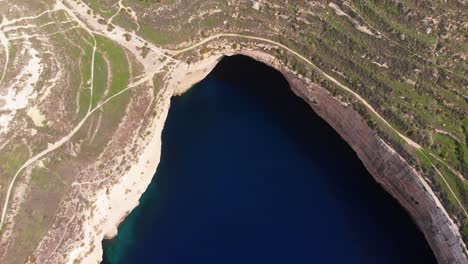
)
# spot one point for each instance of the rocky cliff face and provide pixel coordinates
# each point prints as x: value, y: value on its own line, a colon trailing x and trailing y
x: 400, y: 179
x: 388, y: 168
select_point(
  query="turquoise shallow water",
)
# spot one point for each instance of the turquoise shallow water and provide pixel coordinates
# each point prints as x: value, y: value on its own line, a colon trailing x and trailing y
x: 250, y: 174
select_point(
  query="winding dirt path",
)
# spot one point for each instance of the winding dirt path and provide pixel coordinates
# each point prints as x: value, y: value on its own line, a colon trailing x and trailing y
x: 61, y: 142
x: 147, y: 78
x: 151, y: 69
x: 336, y: 82
x: 357, y: 96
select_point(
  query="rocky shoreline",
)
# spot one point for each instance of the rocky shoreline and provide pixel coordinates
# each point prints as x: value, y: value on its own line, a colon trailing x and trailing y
x: 387, y: 167
x: 390, y: 170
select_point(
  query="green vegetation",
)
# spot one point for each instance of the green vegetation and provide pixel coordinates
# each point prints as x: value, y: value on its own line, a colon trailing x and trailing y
x: 100, y: 78
x: 45, y: 180
x: 125, y: 21
x: 118, y: 62
x: 12, y: 159
x: 448, y: 148
x: 113, y: 111
x: 154, y: 35
x: 158, y: 82
x: 410, y: 66
x: 454, y: 192
x: 106, y: 49
x: 149, y: 3
x: 85, y: 89
x: 100, y: 7
x: 35, y: 217
x: 388, y: 15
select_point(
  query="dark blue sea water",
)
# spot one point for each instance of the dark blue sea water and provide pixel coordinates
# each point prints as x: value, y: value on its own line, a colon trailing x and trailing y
x: 250, y: 174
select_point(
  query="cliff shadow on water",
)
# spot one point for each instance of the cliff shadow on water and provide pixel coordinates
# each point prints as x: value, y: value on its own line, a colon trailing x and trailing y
x: 250, y: 174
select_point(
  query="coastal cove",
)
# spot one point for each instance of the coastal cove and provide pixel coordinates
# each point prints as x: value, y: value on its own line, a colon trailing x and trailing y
x: 250, y: 174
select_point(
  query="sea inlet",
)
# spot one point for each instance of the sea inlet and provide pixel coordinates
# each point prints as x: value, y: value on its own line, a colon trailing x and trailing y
x: 250, y: 174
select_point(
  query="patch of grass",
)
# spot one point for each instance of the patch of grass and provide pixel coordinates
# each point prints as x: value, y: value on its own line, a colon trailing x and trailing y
x: 12, y: 52
x: 84, y: 90
x: 148, y: 3
x: 100, y: 7
x: 389, y: 15
x: 100, y: 78
x: 154, y: 35
x: 118, y: 68
x: 458, y: 187
x: 74, y: 52
x: 125, y: 21
x: 37, y: 213
x: 119, y: 65
x: 45, y: 180
x: 13, y: 158
x: 29, y: 235
x: 447, y: 148
x: 158, y: 82
x: 114, y: 110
